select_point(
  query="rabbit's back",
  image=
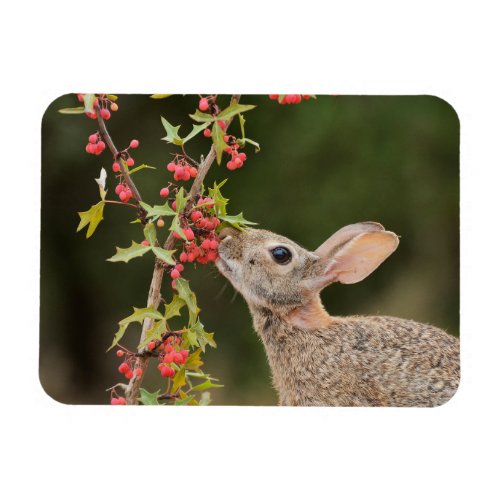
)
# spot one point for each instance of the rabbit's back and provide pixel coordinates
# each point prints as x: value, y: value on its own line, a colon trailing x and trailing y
x: 362, y: 361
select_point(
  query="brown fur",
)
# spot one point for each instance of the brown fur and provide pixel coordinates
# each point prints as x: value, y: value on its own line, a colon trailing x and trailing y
x: 320, y: 360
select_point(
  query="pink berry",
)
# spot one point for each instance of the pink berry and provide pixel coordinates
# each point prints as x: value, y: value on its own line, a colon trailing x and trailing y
x: 105, y: 113
x: 123, y: 195
x: 101, y: 146
x: 179, y: 267
x: 152, y: 345
x: 273, y: 96
x: 164, y: 192
x: 213, y: 245
x: 174, y: 274
x: 93, y: 138
x: 188, y: 233
x: 207, y: 132
x: 174, y: 205
x: 130, y: 161
x: 183, y: 257
x: 145, y: 243
x: 205, y: 244
x: 138, y: 372
x: 90, y: 148
x: 123, y: 368
x: 120, y: 353
x: 203, y: 104
x: 116, y: 167
x: 231, y: 165
x: 171, y: 166
x: 114, y: 106
x: 193, y: 171
x: 134, y: 143
x: 196, y: 215
x: 222, y: 124
x: 129, y: 374
x: 178, y: 358
x: 119, y: 188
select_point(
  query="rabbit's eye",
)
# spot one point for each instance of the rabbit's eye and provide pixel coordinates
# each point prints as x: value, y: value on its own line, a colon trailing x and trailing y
x: 281, y: 255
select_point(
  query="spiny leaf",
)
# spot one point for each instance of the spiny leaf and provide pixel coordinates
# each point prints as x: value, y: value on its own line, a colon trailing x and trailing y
x: 125, y: 254
x: 192, y: 338
x: 180, y: 200
x: 118, y: 336
x: 160, y: 96
x: 193, y: 361
x: 202, y: 337
x: 88, y: 102
x: 187, y: 295
x: 174, y: 308
x: 92, y: 217
x: 155, y: 332
x: 150, y: 233
x: 242, y: 143
x: 237, y: 221
x: 172, y: 133
x: 218, y: 140
x: 140, y: 167
x: 233, y: 109
x: 139, y: 315
x: 242, y: 125
x: 165, y: 255
x: 179, y: 379
x: 196, y: 130
x: 157, y: 210
x: 175, y: 226
x: 149, y: 398
x: 198, y: 116
x: 72, y: 111
x: 216, y: 195
x: 183, y: 401
x: 206, y: 385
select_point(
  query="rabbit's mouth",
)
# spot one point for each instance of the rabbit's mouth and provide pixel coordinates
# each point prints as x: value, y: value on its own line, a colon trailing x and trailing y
x: 223, y: 265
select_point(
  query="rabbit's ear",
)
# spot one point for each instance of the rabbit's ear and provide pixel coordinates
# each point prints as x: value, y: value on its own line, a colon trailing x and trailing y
x: 353, y: 252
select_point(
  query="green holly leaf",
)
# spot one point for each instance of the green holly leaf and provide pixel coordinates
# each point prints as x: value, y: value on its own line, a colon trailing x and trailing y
x: 149, y: 398
x: 192, y: 338
x: 92, y: 217
x: 160, y: 96
x: 150, y: 233
x: 140, y: 314
x: 220, y: 201
x: 158, y: 210
x: 175, y: 226
x: 188, y: 296
x: 172, y: 133
x: 165, y: 255
x: 205, y: 399
x: 237, y: 221
x: 243, y: 142
x: 218, y: 140
x: 194, y: 361
x: 184, y: 399
x: 201, y: 336
x: 125, y: 254
x: 196, y: 130
x: 112, y: 97
x: 118, y: 336
x: 179, y: 379
x: 88, y: 102
x: 233, y: 109
x: 180, y: 200
x: 140, y: 167
x: 198, y: 116
x: 174, y: 308
x: 72, y: 111
x: 155, y: 332
x: 208, y: 384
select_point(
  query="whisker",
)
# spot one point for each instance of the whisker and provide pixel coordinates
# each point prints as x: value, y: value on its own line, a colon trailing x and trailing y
x: 234, y: 297
x: 222, y: 290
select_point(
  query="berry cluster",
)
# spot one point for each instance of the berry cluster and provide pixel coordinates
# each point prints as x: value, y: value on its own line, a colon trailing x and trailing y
x: 123, y: 192
x: 125, y: 368
x: 289, y: 98
x: 105, y: 104
x: 237, y: 159
x: 182, y: 169
x: 95, y: 145
x: 118, y: 401
x: 169, y: 355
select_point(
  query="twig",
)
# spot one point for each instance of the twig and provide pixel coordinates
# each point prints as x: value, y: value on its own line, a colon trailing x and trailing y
x: 141, y: 362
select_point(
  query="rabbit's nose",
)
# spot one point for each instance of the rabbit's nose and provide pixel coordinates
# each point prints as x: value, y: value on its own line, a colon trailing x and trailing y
x: 227, y: 231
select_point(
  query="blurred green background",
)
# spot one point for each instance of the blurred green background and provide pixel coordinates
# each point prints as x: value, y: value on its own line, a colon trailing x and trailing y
x: 324, y: 163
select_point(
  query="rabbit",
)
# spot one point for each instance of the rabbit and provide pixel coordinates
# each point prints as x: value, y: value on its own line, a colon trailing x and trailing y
x: 322, y: 360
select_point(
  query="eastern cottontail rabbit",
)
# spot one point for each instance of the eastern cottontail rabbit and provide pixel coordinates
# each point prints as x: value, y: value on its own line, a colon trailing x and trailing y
x: 318, y: 359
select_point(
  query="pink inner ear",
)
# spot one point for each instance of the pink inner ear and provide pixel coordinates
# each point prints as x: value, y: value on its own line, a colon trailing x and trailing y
x: 361, y: 256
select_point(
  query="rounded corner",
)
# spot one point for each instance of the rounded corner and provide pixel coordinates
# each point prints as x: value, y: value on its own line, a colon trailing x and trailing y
x: 452, y: 397
x: 448, y: 105
x: 52, y: 102
x: 47, y: 393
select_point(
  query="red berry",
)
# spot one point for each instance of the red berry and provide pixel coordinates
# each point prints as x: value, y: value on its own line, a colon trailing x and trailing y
x: 207, y: 132
x: 167, y: 371
x: 114, y: 106
x: 174, y: 274
x: 238, y: 162
x: 225, y: 138
x: 231, y: 165
x: 171, y: 167
x: 222, y: 124
x: 90, y: 148
x: 119, y: 188
x: 193, y: 171
x: 160, y: 223
x: 129, y: 374
x: 145, y: 243
x: 203, y: 104
x: 118, y: 401
x: 188, y: 233
x: 174, y: 205
x: 213, y: 245
x: 205, y: 244
x: 93, y: 138
x: 116, y: 167
x: 164, y: 192
x: 196, y: 215
x: 183, y: 257
x: 184, y: 353
x: 273, y: 96
x: 242, y: 156
x: 178, y: 358
x: 123, y: 195
x: 101, y: 146
x: 179, y: 267
x: 79, y: 97
x: 130, y: 161
x: 105, y: 113
x: 123, y: 368
x: 186, y: 175
x: 134, y: 143
x: 152, y: 345
x: 120, y: 353
x: 138, y: 372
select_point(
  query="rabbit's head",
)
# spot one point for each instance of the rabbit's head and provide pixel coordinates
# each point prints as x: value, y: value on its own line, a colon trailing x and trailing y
x: 273, y: 272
